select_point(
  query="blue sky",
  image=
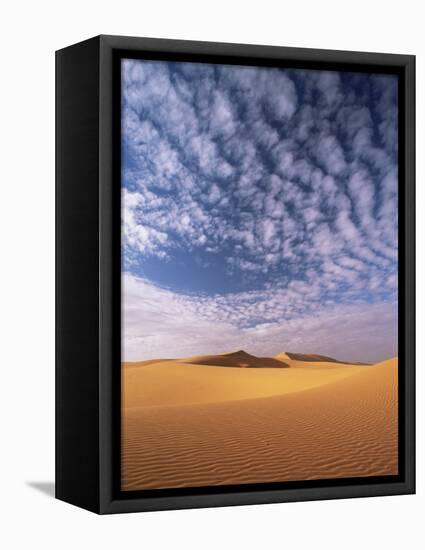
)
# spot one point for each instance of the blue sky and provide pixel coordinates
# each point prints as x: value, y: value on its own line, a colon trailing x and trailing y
x: 259, y: 210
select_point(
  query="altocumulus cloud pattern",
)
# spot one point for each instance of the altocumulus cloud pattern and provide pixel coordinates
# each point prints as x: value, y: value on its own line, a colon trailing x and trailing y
x: 259, y: 211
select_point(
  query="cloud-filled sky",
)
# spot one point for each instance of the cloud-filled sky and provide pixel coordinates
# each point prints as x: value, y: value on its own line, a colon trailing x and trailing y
x: 259, y: 211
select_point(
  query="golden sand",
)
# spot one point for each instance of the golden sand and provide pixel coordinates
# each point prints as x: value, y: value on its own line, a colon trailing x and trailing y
x: 189, y: 423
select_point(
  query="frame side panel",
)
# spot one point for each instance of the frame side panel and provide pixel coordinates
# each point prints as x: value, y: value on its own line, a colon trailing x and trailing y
x: 77, y: 274
x: 109, y: 294
x: 409, y: 284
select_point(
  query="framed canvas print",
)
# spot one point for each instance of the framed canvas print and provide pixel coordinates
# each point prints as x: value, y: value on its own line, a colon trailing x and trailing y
x: 235, y: 274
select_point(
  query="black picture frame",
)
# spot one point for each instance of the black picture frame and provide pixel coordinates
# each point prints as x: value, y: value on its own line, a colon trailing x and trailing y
x: 88, y: 301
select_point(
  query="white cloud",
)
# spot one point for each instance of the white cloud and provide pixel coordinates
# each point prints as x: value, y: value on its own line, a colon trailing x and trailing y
x: 160, y: 323
x: 330, y: 155
x: 328, y: 82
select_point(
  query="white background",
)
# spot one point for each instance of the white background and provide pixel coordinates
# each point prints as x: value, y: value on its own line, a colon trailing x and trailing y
x: 30, y: 32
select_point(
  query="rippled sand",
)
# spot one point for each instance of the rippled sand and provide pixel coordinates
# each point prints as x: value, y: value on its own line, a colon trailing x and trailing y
x: 188, y: 424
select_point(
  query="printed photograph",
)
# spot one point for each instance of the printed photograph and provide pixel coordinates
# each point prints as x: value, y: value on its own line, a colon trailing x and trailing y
x: 259, y: 274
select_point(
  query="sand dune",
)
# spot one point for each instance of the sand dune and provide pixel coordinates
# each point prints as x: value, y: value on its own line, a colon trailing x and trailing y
x: 239, y: 359
x: 171, y: 382
x: 311, y: 358
x: 193, y: 424
x: 144, y: 363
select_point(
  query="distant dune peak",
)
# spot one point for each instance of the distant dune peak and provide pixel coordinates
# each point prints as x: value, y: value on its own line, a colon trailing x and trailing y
x: 311, y: 357
x: 240, y: 359
x: 315, y: 358
x: 239, y: 353
x: 282, y: 356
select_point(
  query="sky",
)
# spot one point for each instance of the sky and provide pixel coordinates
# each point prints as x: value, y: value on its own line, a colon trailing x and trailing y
x: 259, y: 211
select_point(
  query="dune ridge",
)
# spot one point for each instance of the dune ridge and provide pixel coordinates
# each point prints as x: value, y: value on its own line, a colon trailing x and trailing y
x: 314, y: 358
x: 193, y: 424
x: 240, y: 359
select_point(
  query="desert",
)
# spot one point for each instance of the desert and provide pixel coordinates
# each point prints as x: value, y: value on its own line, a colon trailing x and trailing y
x: 235, y: 418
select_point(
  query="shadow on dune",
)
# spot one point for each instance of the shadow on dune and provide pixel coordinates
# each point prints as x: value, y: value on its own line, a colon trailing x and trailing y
x: 238, y: 359
x: 315, y: 358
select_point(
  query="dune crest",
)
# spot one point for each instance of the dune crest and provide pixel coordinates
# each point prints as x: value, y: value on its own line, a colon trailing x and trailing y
x: 315, y: 358
x: 240, y: 359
